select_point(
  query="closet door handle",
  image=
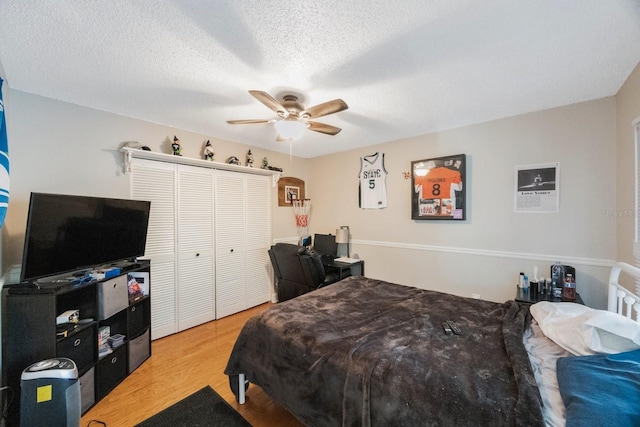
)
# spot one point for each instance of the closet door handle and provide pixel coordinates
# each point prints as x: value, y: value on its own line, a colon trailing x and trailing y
x: 231, y: 250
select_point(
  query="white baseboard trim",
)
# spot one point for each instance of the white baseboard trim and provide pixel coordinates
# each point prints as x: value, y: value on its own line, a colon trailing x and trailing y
x: 595, y: 262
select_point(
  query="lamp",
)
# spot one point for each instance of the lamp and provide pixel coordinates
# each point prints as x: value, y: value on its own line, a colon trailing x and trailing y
x: 342, y: 236
x: 290, y: 128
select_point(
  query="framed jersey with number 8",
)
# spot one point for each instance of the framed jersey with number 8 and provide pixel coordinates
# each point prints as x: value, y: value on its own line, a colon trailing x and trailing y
x: 438, y: 188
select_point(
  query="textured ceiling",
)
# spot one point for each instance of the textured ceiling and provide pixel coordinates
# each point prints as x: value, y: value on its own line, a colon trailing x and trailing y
x: 405, y: 68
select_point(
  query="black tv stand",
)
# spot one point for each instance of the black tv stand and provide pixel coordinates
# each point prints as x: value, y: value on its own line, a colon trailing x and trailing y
x: 31, y: 332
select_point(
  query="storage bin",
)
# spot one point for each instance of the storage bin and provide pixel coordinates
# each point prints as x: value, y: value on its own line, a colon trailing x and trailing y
x: 139, y: 351
x: 112, y: 369
x: 139, y: 317
x: 87, y: 390
x: 113, y: 296
x: 79, y: 347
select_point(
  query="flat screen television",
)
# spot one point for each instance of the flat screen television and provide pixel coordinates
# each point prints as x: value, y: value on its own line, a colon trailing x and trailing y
x: 67, y: 233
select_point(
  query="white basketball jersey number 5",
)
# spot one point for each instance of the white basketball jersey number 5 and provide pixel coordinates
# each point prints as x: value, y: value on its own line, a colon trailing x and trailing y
x: 373, y: 183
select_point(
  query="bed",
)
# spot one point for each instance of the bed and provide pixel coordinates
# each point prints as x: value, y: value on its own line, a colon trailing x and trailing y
x: 371, y: 353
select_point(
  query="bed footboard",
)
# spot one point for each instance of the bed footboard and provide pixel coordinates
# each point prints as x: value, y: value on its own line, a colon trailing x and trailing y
x: 621, y: 300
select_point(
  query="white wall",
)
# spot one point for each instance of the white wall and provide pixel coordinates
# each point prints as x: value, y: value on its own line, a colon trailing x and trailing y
x: 58, y: 147
x: 484, y: 254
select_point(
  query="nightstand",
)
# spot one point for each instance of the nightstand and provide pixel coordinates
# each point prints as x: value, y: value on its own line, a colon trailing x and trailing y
x: 529, y: 298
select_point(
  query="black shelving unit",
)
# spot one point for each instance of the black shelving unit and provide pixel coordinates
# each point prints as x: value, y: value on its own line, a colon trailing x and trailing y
x: 30, y: 333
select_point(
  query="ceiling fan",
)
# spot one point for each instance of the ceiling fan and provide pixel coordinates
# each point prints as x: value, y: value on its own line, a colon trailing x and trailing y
x: 293, y: 118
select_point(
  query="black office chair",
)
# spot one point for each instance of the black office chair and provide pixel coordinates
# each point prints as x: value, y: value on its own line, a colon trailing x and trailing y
x: 298, y: 270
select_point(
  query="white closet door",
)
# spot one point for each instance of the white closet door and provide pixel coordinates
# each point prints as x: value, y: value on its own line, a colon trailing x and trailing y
x: 155, y: 182
x: 209, y: 232
x: 258, y: 236
x: 230, y: 243
x: 196, y: 290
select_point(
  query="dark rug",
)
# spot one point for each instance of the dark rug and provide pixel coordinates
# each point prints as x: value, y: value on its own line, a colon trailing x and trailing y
x: 203, y: 408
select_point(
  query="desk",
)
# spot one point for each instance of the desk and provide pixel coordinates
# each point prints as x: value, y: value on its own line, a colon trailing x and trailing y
x: 529, y: 298
x: 354, y: 268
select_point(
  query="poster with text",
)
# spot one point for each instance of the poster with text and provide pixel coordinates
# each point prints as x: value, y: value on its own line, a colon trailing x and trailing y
x: 537, y: 188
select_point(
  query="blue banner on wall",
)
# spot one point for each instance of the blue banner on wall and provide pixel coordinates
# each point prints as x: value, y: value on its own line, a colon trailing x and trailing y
x: 4, y: 163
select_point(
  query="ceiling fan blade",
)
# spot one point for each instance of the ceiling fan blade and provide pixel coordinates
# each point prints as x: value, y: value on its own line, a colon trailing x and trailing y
x: 323, y: 128
x: 324, y: 109
x: 249, y: 122
x: 270, y: 102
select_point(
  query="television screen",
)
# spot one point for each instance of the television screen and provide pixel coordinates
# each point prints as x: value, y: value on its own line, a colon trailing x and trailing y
x: 68, y: 233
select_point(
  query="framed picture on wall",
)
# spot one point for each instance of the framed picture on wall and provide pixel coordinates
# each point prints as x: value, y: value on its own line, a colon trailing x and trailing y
x: 537, y: 188
x: 438, y: 188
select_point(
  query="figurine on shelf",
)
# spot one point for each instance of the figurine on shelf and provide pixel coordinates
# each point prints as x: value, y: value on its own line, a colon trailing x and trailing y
x: 249, y: 159
x: 208, y: 151
x: 265, y: 165
x: 175, y: 146
x: 233, y: 160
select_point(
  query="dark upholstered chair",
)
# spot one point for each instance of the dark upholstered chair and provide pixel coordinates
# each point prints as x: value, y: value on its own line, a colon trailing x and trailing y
x: 297, y: 270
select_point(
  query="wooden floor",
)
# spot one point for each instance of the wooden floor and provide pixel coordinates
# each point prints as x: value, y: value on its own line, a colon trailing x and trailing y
x: 181, y: 364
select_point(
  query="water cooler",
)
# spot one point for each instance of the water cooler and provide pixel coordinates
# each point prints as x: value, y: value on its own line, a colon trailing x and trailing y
x: 50, y: 394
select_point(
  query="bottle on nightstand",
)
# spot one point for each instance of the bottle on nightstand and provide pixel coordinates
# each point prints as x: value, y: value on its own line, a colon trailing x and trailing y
x: 557, y: 276
x: 569, y: 288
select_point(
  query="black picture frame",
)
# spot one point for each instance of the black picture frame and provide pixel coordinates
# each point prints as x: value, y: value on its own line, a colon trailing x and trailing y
x: 438, y: 188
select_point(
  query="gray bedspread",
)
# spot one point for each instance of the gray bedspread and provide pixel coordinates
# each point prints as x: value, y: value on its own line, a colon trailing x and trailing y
x: 365, y: 352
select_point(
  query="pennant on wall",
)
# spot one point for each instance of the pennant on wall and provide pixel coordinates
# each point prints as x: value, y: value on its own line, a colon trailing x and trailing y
x: 4, y: 163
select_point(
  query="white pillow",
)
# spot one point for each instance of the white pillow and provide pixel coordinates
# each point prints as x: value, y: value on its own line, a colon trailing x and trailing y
x: 583, y: 331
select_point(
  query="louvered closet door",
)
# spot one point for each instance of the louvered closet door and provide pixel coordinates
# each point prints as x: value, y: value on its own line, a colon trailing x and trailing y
x: 230, y: 245
x: 155, y: 182
x: 196, y: 291
x: 258, y: 236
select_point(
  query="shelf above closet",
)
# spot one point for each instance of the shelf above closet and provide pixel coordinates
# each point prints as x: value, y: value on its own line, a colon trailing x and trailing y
x: 130, y: 153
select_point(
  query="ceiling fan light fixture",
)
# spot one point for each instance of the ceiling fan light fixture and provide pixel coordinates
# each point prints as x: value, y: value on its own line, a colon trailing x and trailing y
x: 293, y: 118
x: 290, y: 129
